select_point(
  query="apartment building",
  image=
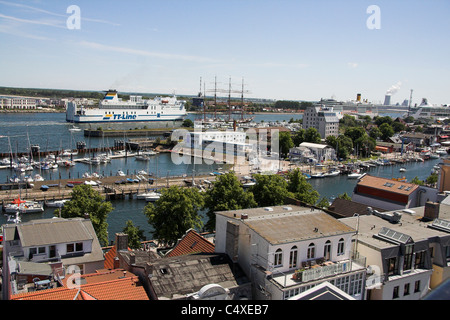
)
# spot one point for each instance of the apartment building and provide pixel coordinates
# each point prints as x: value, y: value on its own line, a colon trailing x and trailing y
x: 322, y: 118
x: 17, y: 102
x: 286, y: 250
x: 389, y: 194
x: 39, y: 253
x: 406, y: 256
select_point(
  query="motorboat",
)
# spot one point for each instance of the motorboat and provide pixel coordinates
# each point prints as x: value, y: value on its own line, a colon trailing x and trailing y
x: 402, y: 169
x: 120, y: 173
x: 55, y: 203
x: 14, y: 218
x: 354, y: 175
x: 318, y: 175
x: 332, y: 173
x: 153, y: 196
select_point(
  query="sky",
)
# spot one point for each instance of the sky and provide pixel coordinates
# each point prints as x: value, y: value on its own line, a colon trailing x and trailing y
x: 280, y: 49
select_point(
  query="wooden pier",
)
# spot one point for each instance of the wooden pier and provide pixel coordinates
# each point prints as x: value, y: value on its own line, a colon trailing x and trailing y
x: 108, y: 188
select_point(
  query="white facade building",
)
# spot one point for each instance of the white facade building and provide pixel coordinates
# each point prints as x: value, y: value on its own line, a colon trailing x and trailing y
x: 315, y: 151
x: 13, y: 102
x: 286, y: 250
x: 322, y: 118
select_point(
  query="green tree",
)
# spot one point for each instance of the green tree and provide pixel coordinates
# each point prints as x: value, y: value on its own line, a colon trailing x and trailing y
x: 398, y: 126
x: 299, y: 137
x: 323, y: 203
x: 285, y: 142
x: 344, y: 196
x: 300, y: 188
x: 386, y: 131
x: 86, y: 200
x: 355, y: 133
x: 175, y: 212
x: 365, y: 144
x: 417, y: 181
x: 226, y: 194
x: 375, y: 133
x: 270, y: 190
x: 135, y: 235
x: 432, y: 179
x: 312, y: 135
x: 187, y: 123
x: 348, y: 121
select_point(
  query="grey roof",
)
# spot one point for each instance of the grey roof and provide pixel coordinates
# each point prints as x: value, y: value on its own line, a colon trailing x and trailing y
x: 53, y: 231
x: 289, y: 223
x: 184, y: 275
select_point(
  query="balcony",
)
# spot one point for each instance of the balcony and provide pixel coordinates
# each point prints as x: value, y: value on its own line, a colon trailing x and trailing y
x: 317, y: 271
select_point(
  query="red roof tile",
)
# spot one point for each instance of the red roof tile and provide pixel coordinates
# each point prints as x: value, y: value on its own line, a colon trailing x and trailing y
x: 111, y: 285
x: 191, y: 243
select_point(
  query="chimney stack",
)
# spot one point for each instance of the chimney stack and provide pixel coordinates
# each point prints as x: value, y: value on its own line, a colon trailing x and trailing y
x: 431, y: 210
x: 121, y: 241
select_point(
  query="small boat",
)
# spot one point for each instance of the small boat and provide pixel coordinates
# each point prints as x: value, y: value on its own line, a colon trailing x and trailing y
x: 55, y: 203
x: 142, y: 157
x: 74, y: 129
x: 318, y: 175
x: 14, y: 218
x: 354, y: 175
x: 153, y: 196
x: 402, y: 169
x: 332, y: 173
x: 120, y: 173
x: 24, y: 206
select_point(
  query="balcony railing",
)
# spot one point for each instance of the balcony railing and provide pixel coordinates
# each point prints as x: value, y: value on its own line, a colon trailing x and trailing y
x: 318, y: 271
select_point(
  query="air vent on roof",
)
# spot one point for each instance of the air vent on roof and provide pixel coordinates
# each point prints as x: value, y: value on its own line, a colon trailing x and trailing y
x: 393, y: 217
x: 287, y: 208
x: 268, y: 209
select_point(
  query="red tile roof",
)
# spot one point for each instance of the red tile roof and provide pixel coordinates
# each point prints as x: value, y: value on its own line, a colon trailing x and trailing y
x: 192, y: 242
x: 110, y: 285
x: 109, y: 258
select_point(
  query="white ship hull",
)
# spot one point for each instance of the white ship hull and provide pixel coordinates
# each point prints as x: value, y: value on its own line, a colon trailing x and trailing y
x: 113, y: 109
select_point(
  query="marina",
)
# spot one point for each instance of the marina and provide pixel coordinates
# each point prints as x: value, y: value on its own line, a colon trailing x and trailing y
x: 160, y: 171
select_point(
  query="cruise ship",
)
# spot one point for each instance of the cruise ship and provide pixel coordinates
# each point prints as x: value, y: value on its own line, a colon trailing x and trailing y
x: 113, y: 109
x: 426, y: 110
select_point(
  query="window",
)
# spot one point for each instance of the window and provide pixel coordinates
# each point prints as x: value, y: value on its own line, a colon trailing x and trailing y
x: 395, y: 293
x: 392, y: 266
x: 419, y: 262
x: 311, y: 251
x: 70, y: 247
x: 417, y: 286
x: 408, y: 257
x: 327, y: 250
x: 293, y: 257
x: 406, y: 289
x: 278, y: 259
x: 340, y: 249
x: 79, y: 246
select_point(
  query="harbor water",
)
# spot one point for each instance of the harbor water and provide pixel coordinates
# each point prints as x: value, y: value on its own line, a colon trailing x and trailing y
x: 51, y: 132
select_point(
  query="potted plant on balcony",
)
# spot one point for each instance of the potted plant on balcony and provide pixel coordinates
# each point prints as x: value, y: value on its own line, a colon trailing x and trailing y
x: 297, y: 275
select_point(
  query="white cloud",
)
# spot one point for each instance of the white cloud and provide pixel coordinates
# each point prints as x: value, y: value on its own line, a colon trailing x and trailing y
x: 352, y: 65
x: 99, y: 46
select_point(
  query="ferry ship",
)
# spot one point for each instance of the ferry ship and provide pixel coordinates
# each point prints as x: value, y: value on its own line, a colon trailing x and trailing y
x: 113, y: 109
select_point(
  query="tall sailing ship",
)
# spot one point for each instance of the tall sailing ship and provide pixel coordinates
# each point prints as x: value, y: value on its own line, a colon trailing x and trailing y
x: 113, y: 109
